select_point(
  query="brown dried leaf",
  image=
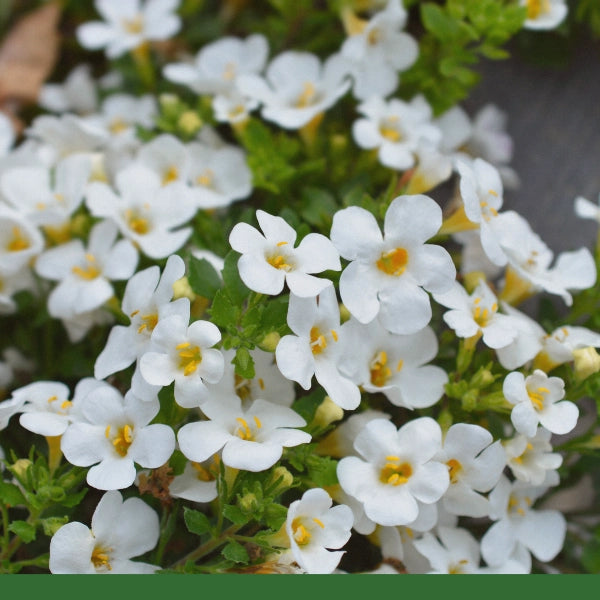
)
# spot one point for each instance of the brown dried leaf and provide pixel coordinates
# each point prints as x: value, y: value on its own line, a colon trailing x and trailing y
x: 27, y: 56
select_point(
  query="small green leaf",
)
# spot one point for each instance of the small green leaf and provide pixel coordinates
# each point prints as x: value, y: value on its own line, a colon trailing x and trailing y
x: 235, y: 552
x: 275, y: 515
x: 203, y: 278
x: 235, y: 514
x: 24, y: 530
x: 52, y: 524
x: 244, y: 363
x: 10, y: 494
x: 196, y: 521
x: 322, y: 470
x: 236, y: 289
x: 438, y: 22
x: 223, y: 312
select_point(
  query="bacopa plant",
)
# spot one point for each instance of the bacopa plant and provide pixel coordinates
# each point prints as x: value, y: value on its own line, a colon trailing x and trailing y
x: 261, y: 302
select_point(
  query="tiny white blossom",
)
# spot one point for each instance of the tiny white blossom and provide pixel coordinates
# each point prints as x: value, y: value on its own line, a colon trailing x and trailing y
x: 537, y: 400
x: 270, y: 259
x: 121, y: 529
x: 544, y: 14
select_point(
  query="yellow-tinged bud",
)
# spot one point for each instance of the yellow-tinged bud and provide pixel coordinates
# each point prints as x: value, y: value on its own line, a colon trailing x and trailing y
x: 80, y: 225
x: 269, y: 342
x: 482, y: 378
x: 339, y: 142
x: 182, y: 289
x: 248, y: 503
x: 344, y: 314
x: 169, y: 104
x: 20, y: 467
x: 587, y: 362
x: 189, y: 122
x: 287, y: 480
x: 327, y: 412
x: 471, y: 280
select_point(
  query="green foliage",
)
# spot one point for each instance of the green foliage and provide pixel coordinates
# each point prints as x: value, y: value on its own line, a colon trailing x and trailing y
x: 203, y: 278
x: 196, y: 522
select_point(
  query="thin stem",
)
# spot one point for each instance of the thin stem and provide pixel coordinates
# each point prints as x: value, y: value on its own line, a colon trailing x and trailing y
x: 207, y: 548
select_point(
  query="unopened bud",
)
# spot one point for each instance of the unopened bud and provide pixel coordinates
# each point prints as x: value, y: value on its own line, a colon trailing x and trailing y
x: 344, y: 314
x: 248, y: 503
x: 269, y: 342
x: 182, y: 289
x: 20, y: 468
x: 189, y: 122
x: 587, y: 362
x: 473, y: 279
x: 283, y: 478
x: 327, y: 413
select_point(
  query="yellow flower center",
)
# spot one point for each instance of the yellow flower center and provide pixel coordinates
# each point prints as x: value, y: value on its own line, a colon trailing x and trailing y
x: 457, y: 568
x: 118, y: 125
x: 122, y: 440
x: 389, y: 128
x: 101, y: 558
x: 380, y: 372
x: 202, y: 474
x: 374, y: 36
x: 393, y: 262
x: 89, y: 271
x: 515, y: 504
x: 190, y: 357
x: 133, y: 26
x: 18, y: 241
x: 244, y: 430
x: 454, y: 468
x: 537, y: 397
x: 318, y: 341
x: 136, y: 222
x: 308, y: 97
x: 482, y: 316
x: 148, y: 322
x: 171, y: 174
x: 535, y: 8
x: 229, y: 71
x: 395, y: 472
x: 205, y: 178
x: 301, y: 532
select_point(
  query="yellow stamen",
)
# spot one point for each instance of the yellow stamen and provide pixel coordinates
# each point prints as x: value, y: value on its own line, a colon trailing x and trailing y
x: 393, y: 262
x: 52, y: 399
x: 394, y: 473
x: 148, y: 322
x: 317, y: 341
x: 117, y: 126
x: 454, y: 469
x: 281, y: 243
x: 201, y: 473
x: 18, y: 242
x: 261, y: 383
x: 134, y: 25
x: 191, y: 357
x: 535, y: 8
x: 123, y: 439
x: 380, y: 373
x: 279, y: 262
x: 101, y: 558
x: 399, y: 365
x: 65, y: 404
x: 137, y: 223
x: 308, y: 97
x: 244, y: 432
x: 172, y: 174
x: 205, y: 178
x: 301, y: 534
x: 319, y: 522
x: 257, y: 421
x: 90, y: 271
x: 107, y: 431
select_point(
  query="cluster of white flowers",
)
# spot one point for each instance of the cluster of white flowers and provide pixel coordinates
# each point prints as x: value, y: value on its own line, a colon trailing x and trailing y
x: 363, y: 332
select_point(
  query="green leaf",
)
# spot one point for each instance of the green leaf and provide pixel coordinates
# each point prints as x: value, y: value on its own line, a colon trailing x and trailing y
x: 24, y: 530
x: 235, y: 514
x: 236, y: 289
x: 203, y: 278
x: 440, y: 24
x: 322, y: 470
x: 275, y: 515
x: 235, y: 552
x: 196, y: 521
x: 319, y: 207
x: 223, y: 312
x: 74, y: 499
x: 52, y: 524
x: 10, y: 494
x: 244, y: 363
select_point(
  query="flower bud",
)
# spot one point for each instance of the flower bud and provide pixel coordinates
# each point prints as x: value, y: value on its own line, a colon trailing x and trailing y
x: 287, y: 480
x: 327, y: 413
x: 269, y: 342
x: 182, y: 289
x: 587, y: 362
x: 189, y: 122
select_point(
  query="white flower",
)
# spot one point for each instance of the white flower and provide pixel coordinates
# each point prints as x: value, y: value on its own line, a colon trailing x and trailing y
x: 529, y: 262
x: 390, y: 275
x: 270, y: 259
x: 84, y: 274
x: 313, y: 527
x: 380, y: 51
x: 396, y: 128
x: 145, y: 212
x: 218, y: 65
x: 268, y: 383
x: 251, y: 439
x: 20, y: 241
x: 396, y: 471
x: 544, y: 14
x: 380, y: 361
x: 116, y: 435
x: 146, y: 300
x: 183, y: 354
x: 128, y: 24
x: 316, y: 347
x: 477, y: 314
x: 47, y: 409
x: 475, y: 463
x: 76, y: 94
x: 541, y: 531
x: 120, y: 530
x: 530, y: 458
x: 538, y: 400
x: 45, y: 197
x: 456, y: 551
x: 197, y: 483
x: 297, y: 87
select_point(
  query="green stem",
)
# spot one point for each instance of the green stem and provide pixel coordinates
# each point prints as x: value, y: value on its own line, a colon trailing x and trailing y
x: 207, y: 548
